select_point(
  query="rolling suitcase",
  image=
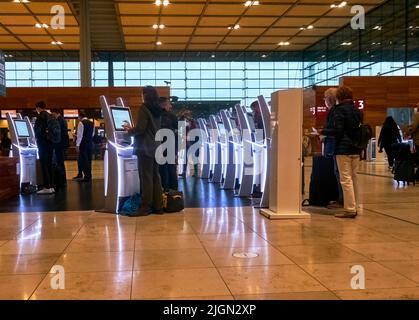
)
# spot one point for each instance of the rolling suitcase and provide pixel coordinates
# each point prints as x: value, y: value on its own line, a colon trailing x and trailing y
x: 404, y: 164
x: 323, y: 183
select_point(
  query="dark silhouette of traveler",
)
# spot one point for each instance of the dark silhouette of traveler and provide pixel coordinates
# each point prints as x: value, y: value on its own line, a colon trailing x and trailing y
x: 169, y: 121
x: 145, y: 146
x: 6, y: 144
x: 45, y: 147
x: 84, y: 147
x: 389, y: 134
x: 61, y: 147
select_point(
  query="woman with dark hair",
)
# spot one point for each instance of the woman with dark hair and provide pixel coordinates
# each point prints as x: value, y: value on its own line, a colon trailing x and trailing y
x: 389, y: 134
x: 145, y: 145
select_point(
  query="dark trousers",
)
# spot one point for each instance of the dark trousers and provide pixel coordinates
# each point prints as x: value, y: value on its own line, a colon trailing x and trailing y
x: 59, y: 154
x: 150, y: 183
x: 168, y: 176
x: 390, y: 156
x: 417, y: 162
x: 45, y: 158
x: 85, y: 161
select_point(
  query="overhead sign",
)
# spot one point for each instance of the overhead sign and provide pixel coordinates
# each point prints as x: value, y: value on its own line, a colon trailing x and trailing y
x: 360, y: 104
x: 13, y: 113
x: 2, y: 74
x: 71, y: 113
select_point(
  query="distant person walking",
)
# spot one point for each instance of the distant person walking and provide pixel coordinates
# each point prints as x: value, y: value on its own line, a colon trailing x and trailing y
x: 84, y: 147
x: 60, y: 148
x: 389, y: 134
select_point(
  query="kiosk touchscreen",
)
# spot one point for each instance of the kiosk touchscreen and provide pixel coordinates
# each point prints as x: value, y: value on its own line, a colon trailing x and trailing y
x: 120, y: 164
x: 22, y: 128
x: 120, y: 117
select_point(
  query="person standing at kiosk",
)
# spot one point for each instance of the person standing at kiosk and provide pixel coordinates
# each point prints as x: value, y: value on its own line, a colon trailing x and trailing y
x: 168, y: 121
x: 84, y: 147
x: 60, y: 148
x: 145, y: 146
x: 45, y: 147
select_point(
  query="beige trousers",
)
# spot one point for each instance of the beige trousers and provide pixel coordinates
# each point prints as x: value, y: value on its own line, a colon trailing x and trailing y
x: 348, y: 168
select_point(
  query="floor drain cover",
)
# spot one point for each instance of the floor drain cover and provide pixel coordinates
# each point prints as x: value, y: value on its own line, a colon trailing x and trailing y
x: 245, y: 255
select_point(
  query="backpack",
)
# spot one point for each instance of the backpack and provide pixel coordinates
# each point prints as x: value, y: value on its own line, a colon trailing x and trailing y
x: 362, y: 135
x: 54, y: 130
x: 173, y: 201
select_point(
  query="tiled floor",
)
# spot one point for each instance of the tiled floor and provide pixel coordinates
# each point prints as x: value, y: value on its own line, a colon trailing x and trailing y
x: 189, y: 255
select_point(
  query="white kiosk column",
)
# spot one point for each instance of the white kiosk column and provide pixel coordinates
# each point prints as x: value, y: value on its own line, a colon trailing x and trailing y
x: 285, y: 165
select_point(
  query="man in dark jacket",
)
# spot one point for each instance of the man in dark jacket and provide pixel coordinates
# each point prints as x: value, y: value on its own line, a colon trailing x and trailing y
x: 60, y: 148
x: 346, y: 119
x: 168, y: 121
x: 84, y: 147
x: 45, y: 147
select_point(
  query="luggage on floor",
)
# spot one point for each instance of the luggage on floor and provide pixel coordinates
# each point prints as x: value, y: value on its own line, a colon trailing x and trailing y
x: 404, y: 164
x: 323, y: 182
x: 173, y: 201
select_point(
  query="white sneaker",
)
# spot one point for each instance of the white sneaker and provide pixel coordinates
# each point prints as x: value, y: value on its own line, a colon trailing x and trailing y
x: 46, y: 191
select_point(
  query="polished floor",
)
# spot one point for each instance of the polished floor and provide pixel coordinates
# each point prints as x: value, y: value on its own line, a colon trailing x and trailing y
x: 90, y: 196
x: 192, y: 255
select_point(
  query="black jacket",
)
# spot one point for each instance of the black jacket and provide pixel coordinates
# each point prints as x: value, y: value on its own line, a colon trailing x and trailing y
x: 41, y: 128
x: 388, y: 136
x: 145, y: 131
x: 343, y: 122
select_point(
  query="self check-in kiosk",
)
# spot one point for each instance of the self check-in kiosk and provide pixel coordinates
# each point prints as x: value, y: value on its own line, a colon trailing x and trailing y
x: 228, y: 139
x: 265, y: 152
x: 204, y: 150
x: 24, y: 146
x: 120, y: 164
x: 216, y: 150
x: 245, y: 149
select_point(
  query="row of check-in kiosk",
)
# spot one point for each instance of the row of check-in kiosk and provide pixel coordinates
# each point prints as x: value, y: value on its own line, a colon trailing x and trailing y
x: 232, y: 153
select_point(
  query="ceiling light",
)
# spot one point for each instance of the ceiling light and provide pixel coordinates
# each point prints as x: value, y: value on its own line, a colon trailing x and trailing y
x: 158, y: 26
x: 160, y: 2
x: 56, y: 42
x: 417, y: 6
x: 264, y: 56
x: 251, y: 3
x: 21, y: 1
x: 38, y: 25
x: 213, y: 56
x: 310, y: 27
x: 282, y: 43
x: 41, y: 25
x: 346, y: 44
x: 159, y: 43
x: 235, y: 27
x: 338, y: 5
x: 377, y: 28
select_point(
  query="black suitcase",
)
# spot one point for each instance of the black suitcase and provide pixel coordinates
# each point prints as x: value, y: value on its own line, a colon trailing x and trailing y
x: 404, y: 164
x: 323, y: 183
x: 173, y: 201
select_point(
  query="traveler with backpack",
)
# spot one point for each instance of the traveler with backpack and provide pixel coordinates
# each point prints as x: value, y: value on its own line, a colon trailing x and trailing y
x: 389, y: 134
x: 349, y: 140
x: 47, y: 132
x: 60, y: 149
x: 84, y: 148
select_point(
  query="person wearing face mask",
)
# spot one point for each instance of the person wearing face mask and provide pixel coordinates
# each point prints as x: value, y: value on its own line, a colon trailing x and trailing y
x: 330, y: 142
x: 344, y: 124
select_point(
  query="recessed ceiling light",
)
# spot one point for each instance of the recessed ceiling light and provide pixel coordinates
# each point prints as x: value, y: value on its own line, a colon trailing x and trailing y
x: 158, y: 26
x: 235, y: 27
x: 213, y: 56
x: 41, y: 25
x: 56, y: 42
x: 21, y: 1
x: 346, y: 43
x: 264, y: 56
x: 338, y: 5
x: 417, y: 6
x: 251, y: 3
x: 159, y: 43
x: 284, y: 43
x: 377, y: 28
x: 310, y: 27
x: 160, y: 2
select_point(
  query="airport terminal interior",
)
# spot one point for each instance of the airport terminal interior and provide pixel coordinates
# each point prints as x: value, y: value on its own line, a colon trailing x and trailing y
x: 257, y: 200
